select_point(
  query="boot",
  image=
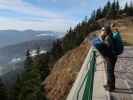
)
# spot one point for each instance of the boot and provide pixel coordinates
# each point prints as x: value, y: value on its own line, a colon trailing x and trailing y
x: 108, y: 88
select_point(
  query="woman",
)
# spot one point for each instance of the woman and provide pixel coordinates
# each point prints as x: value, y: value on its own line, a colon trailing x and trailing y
x: 106, y: 47
x: 111, y: 58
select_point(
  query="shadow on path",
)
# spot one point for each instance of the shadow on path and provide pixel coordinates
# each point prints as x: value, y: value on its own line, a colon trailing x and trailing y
x: 123, y: 90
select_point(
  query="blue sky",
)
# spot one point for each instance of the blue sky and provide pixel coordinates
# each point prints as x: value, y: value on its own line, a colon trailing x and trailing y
x: 55, y: 15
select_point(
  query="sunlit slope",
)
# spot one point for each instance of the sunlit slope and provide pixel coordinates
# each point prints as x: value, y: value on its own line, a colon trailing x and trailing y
x: 125, y: 26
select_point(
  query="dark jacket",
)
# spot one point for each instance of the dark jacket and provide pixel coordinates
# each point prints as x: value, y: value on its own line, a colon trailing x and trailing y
x: 109, y: 50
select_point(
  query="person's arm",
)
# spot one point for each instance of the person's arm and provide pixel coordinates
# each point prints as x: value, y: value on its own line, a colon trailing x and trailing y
x: 107, y: 41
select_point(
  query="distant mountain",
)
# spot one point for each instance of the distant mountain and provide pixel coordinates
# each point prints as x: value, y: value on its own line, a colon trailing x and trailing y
x: 10, y: 73
x: 10, y: 37
x: 12, y: 58
x: 13, y: 43
x: 13, y: 46
x: 18, y: 50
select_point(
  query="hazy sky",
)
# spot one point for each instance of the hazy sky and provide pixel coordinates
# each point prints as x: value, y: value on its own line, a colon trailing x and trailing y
x: 55, y: 15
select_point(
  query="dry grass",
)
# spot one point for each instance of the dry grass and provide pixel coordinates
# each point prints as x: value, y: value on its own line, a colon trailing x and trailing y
x: 60, y: 81
x: 128, y: 35
x: 126, y: 28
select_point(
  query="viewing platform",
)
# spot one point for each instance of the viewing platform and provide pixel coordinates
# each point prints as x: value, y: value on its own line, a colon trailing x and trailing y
x: 92, y: 77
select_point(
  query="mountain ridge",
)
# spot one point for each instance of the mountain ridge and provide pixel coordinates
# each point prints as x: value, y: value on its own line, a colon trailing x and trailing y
x: 10, y: 37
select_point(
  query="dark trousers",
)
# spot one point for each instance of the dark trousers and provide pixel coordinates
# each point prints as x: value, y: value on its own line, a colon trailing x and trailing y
x: 110, y: 71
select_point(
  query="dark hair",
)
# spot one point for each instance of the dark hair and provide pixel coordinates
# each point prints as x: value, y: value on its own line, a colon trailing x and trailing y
x: 108, y: 30
x: 116, y: 29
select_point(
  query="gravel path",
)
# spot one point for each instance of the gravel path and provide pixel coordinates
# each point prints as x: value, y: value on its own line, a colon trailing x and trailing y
x: 124, y: 76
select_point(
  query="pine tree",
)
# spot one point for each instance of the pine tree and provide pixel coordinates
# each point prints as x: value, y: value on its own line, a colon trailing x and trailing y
x: 93, y: 17
x: 126, y: 8
x: 28, y: 61
x: 38, y: 51
x: 98, y: 14
x: 106, y: 9
x: 70, y: 30
x: 3, y: 91
x: 17, y: 88
x: 130, y: 9
x: 41, y: 62
x: 112, y: 12
x: 57, y: 50
x: 85, y: 19
x: 117, y: 8
x: 28, y: 85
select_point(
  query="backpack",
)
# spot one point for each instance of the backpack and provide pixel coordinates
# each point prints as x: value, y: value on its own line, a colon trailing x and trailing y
x: 97, y: 43
x: 117, y: 43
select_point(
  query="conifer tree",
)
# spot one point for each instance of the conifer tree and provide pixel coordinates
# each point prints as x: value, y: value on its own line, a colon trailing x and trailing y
x: 28, y: 61
x: 130, y: 9
x: 106, y: 9
x: 93, y: 17
x: 3, y: 91
x: 98, y: 14
x: 117, y: 8
x: 126, y: 8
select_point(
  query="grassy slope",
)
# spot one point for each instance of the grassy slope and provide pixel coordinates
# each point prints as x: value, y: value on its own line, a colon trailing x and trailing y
x: 126, y: 28
x: 59, y: 82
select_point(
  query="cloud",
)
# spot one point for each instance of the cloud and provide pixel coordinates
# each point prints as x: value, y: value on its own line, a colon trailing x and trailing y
x: 41, y: 35
x: 27, y: 8
x: 59, y: 25
x: 15, y: 60
x: 40, y: 19
x: 34, y: 17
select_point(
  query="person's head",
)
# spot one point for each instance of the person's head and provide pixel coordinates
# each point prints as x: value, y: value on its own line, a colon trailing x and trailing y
x: 103, y: 32
x: 116, y: 30
x: 106, y: 31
